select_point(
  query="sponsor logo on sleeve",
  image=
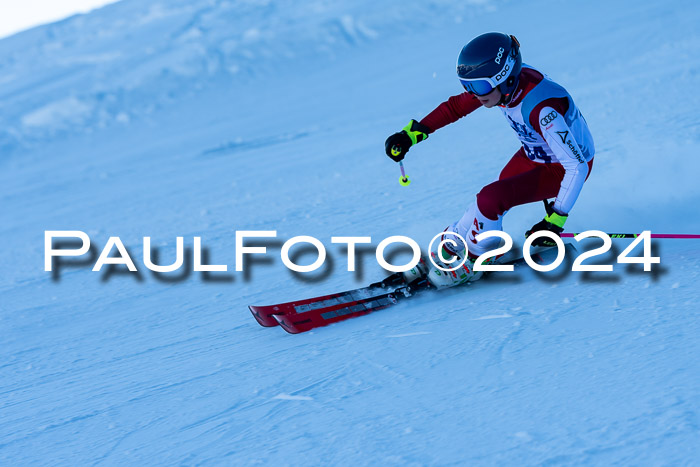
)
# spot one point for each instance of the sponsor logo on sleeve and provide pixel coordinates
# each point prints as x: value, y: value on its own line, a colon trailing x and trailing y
x: 547, y: 119
x: 564, y: 135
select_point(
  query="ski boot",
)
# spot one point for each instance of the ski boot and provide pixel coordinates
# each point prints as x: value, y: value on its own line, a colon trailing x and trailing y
x: 465, y: 273
x: 419, y: 271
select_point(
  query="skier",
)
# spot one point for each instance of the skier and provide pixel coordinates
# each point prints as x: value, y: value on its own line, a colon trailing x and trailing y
x: 554, y: 160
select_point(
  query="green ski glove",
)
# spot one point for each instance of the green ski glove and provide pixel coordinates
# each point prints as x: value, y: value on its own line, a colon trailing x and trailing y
x: 553, y: 222
x: 397, y: 145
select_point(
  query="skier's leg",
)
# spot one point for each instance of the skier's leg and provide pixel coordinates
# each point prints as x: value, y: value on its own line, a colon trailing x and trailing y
x: 521, y: 181
x: 475, y: 221
x: 471, y: 224
x: 541, y: 182
x: 517, y: 164
x: 482, y: 216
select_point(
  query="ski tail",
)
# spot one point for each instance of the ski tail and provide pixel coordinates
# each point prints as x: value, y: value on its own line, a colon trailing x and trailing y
x: 265, y: 315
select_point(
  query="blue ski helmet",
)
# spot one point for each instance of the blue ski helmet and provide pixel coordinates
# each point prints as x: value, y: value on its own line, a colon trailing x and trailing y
x: 488, y: 61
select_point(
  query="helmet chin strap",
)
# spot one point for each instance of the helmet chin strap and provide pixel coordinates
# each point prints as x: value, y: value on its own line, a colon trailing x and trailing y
x: 506, y: 98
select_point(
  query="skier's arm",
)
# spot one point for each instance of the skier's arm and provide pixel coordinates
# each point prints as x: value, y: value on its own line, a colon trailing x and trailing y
x: 560, y: 139
x: 451, y: 110
x: 456, y: 107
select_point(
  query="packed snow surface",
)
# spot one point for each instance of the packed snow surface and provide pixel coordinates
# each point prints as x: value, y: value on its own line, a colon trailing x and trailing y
x: 202, y: 118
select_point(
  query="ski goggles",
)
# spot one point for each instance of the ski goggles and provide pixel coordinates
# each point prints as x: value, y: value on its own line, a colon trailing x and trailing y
x: 480, y: 87
x: 483, y: 86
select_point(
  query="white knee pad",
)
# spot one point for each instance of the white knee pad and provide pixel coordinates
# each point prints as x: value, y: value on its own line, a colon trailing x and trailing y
x: 472, y: 223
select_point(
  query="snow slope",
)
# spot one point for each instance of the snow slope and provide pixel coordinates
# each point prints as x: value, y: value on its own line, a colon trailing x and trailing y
x: 200, y: 118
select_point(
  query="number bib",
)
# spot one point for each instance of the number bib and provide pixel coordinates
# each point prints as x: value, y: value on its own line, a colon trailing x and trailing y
x: 534, y: 144
x: 536, y: 148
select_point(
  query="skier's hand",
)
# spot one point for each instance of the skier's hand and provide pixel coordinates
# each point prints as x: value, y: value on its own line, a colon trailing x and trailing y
x: 553, y: 222
x: 397, y: 145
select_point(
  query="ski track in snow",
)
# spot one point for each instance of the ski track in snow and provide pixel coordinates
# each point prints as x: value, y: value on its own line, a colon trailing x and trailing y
x: 288, y: 397
x: 504, y: 315
x: 194, y: 118
x: 410, y: 334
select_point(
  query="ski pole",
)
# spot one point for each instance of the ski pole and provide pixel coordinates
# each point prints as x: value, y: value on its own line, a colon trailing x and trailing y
x: 395, y: 151
x: 631, y: 235
x: 404, y: 181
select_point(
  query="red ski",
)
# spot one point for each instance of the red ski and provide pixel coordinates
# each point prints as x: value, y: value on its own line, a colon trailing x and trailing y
x: 265, y: 315
x: 304, y: 315
x: 295, y: 323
